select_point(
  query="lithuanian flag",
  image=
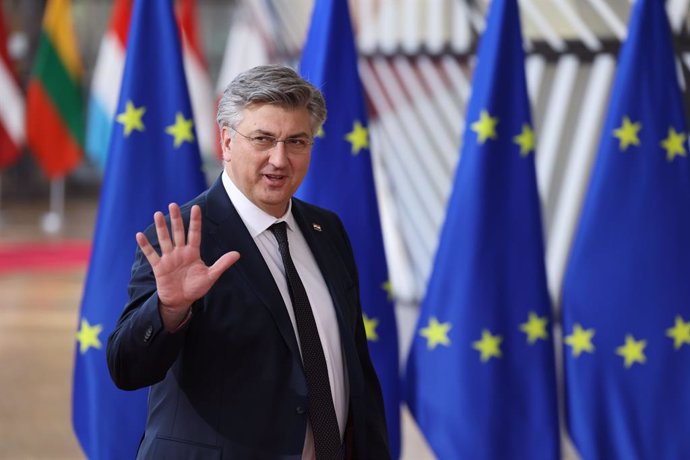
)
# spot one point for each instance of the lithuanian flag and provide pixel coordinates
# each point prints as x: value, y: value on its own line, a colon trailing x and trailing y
x: 54, y: 109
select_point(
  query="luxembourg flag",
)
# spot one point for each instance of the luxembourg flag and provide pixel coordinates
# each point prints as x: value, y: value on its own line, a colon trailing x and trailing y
x: 199, y: 85
x: 105, y: 85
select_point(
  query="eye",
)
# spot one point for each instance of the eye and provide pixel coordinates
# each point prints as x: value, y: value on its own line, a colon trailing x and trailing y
x: 264, y: 141
x: 297, y: 142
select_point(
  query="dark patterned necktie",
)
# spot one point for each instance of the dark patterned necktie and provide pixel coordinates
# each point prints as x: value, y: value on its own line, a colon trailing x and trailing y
x: 324, y: 423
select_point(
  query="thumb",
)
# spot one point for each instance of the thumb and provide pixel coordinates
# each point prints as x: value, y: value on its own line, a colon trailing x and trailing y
x: 226, y: 261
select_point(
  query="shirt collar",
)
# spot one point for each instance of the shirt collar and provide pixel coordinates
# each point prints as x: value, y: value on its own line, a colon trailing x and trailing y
x: 255, y: 219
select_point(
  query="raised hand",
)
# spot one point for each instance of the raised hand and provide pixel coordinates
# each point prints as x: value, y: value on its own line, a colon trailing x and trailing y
x: 181, y: 276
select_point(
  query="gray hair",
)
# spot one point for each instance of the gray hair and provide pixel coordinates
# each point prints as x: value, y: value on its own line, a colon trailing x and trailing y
x: 270, y: 84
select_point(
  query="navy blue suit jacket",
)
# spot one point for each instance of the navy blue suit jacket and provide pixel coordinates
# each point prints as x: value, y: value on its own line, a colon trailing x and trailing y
x: 230, y: 385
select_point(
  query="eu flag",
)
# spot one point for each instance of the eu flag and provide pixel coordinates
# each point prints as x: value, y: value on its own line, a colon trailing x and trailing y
x: 626, y: 293
x: 153, y: 160
x: 340, y: 178
x: 481, y: 375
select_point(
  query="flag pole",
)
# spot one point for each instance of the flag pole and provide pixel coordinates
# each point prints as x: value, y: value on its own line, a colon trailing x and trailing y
x: 52, y: 221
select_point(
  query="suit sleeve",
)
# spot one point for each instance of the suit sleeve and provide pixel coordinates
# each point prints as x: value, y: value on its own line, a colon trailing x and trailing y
x: 140, y: 351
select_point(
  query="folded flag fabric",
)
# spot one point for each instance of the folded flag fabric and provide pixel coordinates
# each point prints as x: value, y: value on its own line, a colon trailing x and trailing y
x: 12, y: 107
x: 106, y: 83
x: 54, y: 105
x: 153, y: 160
x: 626, y: 313
x: 341, y: 178
x: 481, y: 379
x: 199, y: 84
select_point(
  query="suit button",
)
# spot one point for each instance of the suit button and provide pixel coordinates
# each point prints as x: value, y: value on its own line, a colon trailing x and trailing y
x: 300, y: 410
x: 147, y: 334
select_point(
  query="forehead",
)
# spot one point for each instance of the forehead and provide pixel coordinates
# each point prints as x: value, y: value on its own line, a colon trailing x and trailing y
x: 276, y: 119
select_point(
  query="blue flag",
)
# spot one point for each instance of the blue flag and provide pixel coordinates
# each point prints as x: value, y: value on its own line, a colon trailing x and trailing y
x: 626, y: 293
x: 340, y: 178
x: 481, y: 375
x: 153, y: 160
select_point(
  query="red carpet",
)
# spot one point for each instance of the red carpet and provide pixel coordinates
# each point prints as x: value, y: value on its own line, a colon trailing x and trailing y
x: 44, y: 255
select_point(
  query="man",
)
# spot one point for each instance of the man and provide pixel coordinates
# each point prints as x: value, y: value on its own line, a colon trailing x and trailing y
x: 262, y: 356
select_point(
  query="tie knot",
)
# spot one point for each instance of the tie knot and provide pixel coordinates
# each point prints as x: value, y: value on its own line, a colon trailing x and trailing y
x: 279, y: 229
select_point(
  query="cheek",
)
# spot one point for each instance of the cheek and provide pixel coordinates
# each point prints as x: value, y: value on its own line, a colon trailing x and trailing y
x: 301, y: 166
x: 303, y: 171
x: 246, y: 165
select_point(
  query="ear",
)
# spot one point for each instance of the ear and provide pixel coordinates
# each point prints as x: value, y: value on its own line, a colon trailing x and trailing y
x: 225, y: 141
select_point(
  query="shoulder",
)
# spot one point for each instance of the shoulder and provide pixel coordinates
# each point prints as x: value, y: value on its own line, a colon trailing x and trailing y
x: 314, y: 213
x: 207, y: 199
x: 185, y: 210
x: 325, y: 221
x: 313, y: 216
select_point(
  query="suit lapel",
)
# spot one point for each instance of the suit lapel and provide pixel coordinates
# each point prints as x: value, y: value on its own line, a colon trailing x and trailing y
x: 320, y: 240
x: 225, y: 231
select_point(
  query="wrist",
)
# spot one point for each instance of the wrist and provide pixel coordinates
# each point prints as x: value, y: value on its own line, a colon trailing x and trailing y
x: 174, y: 317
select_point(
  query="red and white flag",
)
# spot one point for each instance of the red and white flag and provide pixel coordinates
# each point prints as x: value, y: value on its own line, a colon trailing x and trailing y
x: 247, y: 46
x: 12, y: 128
x: 198, y: 82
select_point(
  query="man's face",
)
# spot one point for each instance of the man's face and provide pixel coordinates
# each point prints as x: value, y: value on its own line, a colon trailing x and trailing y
x: 268, y: 178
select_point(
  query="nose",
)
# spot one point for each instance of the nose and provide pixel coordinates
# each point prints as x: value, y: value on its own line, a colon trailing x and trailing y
x: 278, y: 155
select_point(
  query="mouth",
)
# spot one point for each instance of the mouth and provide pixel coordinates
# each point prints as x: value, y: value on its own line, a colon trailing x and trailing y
x: 275, y: 179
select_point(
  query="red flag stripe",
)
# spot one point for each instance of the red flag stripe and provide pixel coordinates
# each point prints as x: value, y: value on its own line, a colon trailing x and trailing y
x: 47, y: 131
x: 188, y: 20
x: 119, y: 21
x: 8, y: 150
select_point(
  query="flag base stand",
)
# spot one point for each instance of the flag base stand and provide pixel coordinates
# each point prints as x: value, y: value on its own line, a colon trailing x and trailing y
x: 51, y: 222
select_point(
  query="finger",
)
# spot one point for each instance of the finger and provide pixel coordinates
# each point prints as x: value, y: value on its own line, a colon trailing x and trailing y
x: 176, y: 225
x: 146, y: 248
x: 194, y: 235
x: 162, y: 232
x: 226, y: 261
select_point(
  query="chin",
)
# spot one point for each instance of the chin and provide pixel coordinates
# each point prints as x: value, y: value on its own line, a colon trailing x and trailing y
x: 272, y: 203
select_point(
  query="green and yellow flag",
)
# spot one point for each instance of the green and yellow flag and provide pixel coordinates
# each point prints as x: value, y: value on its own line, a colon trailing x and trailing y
x: 55, y: 112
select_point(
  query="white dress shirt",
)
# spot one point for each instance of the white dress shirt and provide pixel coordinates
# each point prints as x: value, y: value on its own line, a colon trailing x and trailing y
x: 258, y: 222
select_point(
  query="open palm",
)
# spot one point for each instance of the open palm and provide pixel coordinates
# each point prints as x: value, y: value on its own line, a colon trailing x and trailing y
x: 181, y: 276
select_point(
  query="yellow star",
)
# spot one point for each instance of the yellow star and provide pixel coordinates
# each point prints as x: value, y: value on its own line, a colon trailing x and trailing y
x: 632, y: 351
x: 87, y: 336
x: 485, y: 127
x: 580, y: 340
x: 320, y: 133
x: 680, y: 333
x: 674, y: 144
x: 525, y: 140
x: 627, y: 133
x: 436, y: 333
x: 370, y: 327
x: 131, y: 118
x: 181, y: 130
x: 388, y: 287
x: 358, y: 137
x: 535, y: 328
x: 489, y: 346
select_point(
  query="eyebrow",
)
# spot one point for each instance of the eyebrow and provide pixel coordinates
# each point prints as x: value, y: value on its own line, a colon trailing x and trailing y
x: 268, y: 133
